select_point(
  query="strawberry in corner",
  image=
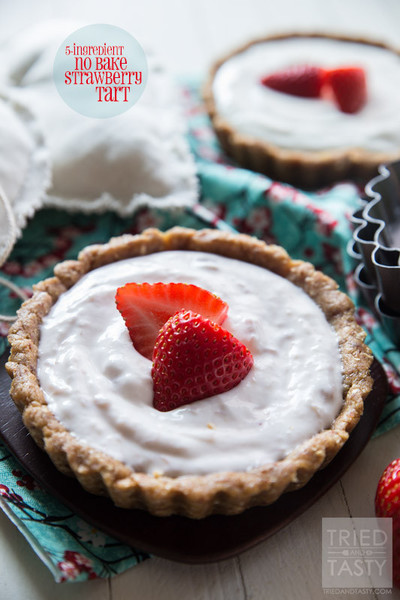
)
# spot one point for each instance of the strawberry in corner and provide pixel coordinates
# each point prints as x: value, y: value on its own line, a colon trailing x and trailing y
x: 387, y: 504
x: 194, y: 358
x: 145, y: 307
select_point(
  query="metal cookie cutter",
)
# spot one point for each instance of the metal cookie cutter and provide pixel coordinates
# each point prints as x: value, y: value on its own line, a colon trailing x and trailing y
x: 376, y: 244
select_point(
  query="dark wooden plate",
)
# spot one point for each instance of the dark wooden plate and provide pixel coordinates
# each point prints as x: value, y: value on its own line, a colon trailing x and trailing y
x: 178, y: 538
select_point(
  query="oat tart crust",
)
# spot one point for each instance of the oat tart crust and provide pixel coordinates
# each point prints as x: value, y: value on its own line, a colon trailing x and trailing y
x: 305, y: 169
x: 194, y: 496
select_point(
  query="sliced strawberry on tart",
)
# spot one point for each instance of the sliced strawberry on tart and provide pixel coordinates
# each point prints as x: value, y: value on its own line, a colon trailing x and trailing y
x: 195, y: 358
x: 178, y: 326
x: 146, y: 307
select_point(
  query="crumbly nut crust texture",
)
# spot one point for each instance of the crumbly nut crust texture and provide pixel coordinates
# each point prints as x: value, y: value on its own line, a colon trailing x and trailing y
x: 305, y: 169
x: 194, y: 496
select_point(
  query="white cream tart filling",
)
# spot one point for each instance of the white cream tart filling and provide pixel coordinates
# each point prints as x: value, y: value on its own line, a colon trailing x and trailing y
x: 310, y: 124
x: 100, y: 387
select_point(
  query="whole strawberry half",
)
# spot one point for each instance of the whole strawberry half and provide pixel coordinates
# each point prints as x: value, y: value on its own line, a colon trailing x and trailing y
x: 145, y: 307
x: 298, y: 80
x: 349, y: 87
x: 387, y: 504
x: 194, y: 358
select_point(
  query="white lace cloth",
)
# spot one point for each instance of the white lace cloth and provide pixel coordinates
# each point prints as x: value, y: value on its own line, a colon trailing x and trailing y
x: 24, y: 176
x: 24, y: 170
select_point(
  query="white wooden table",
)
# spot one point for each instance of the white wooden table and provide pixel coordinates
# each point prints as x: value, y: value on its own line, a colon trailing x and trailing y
x: 189, y: 35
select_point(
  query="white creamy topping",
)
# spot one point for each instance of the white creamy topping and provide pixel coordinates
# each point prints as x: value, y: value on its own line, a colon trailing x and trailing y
x: 311, y: 123
x: 100, y: 388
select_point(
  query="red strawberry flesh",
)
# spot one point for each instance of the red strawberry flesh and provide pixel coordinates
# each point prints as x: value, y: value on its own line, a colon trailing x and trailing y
x: 387, y: 504
x: 387, y: 499
x: 194, y: 358
x: 145, y: 307
x: 298, y: 80
x: 349, y: 87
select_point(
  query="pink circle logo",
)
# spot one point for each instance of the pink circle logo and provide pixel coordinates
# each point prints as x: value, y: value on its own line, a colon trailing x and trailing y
x: 100, y: 71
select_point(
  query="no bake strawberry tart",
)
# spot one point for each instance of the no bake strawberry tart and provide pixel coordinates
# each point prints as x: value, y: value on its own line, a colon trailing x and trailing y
x: 308, y: 109
x: 189, y: 372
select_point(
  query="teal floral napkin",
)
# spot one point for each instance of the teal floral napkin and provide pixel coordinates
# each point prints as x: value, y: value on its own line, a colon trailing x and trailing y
x: 311, y: 226
x: 70, y: 547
